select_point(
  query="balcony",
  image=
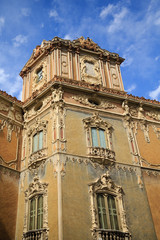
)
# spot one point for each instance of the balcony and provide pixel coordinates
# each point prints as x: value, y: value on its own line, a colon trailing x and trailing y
x: 40, y: 234
x: 113, y: 235
x: 101, y: 155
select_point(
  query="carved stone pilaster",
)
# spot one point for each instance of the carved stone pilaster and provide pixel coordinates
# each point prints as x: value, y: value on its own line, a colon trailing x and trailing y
x: 58, y: 118
x: 145, y: 129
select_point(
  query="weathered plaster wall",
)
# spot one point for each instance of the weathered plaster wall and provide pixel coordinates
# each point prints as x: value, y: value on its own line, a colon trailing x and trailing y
x: 149, y: 151
x: 76, y: 202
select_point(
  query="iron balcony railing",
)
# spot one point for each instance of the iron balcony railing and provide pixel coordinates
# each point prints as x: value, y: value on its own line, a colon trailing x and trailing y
x: 113, y: 235
x: 40, y: 234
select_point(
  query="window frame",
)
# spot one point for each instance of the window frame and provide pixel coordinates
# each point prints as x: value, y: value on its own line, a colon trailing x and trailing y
x: 105, y: 185
x: 38, y: 134
x: 36, y: 198
x: 34, y: 191
x: 96, y: 122
x: 39, y: 77
x: 108, y: 219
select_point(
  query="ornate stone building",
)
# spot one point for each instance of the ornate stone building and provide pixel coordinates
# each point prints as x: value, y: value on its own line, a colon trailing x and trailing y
x: 79, y: 157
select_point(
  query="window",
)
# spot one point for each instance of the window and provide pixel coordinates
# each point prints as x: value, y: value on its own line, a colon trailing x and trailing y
x: 98, y: 137
x: 38, y: 141
x: 99, y: 140
x: 39, y: 74
x: 36, y: 213
x: 107, y: 212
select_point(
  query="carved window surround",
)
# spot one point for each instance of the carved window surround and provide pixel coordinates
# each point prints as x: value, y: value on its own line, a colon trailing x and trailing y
x: 96, y: 153
x: 105, y: 185
x: 38, y: 84
x: 36, y: 188
x: 38, y: 157
x: 86, y: 74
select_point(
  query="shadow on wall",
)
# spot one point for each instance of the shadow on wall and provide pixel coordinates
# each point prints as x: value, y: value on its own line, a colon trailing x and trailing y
x: 3, y: 233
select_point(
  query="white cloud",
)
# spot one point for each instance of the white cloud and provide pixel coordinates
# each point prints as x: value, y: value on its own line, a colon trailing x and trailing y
x: 68, y: 37
x: 117, y: 24
x: 157, y: 58
x: 2, y: 21
x: 53, y: 13
x: 4, y: 77
x: 13, y: 87
x: 106, y: 11
x: 131, y: 88
x: 25, y: 12
x: 16, y: 86
x: 155, y: 93
x: 19, y: 40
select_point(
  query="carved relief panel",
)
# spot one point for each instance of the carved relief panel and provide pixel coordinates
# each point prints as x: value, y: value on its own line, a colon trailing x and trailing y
x: 114, y: 77
x: 64, y: 62
x: 90, y: 70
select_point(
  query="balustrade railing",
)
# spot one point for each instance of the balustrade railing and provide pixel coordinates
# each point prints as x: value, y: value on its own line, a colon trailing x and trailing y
x: 40, y: 234
x: 104, y: 153
x: 113, y: 235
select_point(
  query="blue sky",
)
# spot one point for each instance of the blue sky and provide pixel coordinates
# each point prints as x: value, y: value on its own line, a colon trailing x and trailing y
x: 130, y: 28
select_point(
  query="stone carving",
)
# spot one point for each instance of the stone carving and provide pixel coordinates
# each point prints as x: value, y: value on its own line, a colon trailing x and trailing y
x: 102, y: 104
x: 38, y: 158
x: 154, y: 115
x: 64, y: 60
x: 125, y: 107
x: 105, y: 185
x: 157, y: 131
x: 2, y: 124
x: 18, y: 116
x: 88, y: 43
x: 144, y: 128
x: 9, y: 131
x: 57, y: 94
x: 96, y: 121
x: 90, y: 70
x: 3, y: 106
x: 11, y: 113
x: 114, y: 76
x: 141, y: 112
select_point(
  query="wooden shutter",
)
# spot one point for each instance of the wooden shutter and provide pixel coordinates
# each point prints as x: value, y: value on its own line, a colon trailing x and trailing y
x: 40, y: 139
x: 112, y: 212
x: 40, y: 212
x: 32, y: 214
x: 102, y: 138
x: 102, y: 211
x: 94, y: 137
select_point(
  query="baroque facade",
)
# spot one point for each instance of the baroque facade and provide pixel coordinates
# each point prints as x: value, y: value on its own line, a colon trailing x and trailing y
x: 79, y: 157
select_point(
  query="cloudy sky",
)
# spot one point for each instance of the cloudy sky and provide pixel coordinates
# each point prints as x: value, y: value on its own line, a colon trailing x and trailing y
x: 130, y: 28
